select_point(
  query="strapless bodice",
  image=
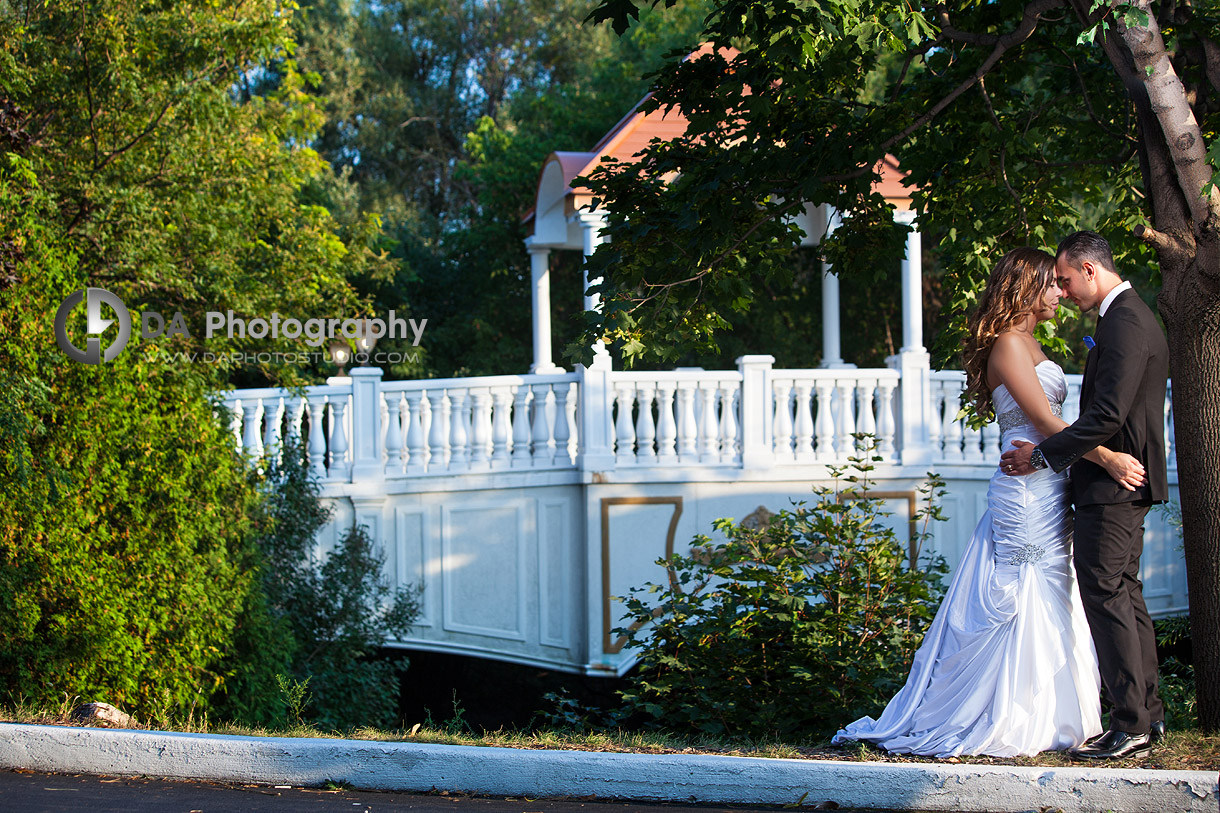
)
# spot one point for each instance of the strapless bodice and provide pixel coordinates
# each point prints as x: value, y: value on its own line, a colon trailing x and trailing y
x: 1054, y: 383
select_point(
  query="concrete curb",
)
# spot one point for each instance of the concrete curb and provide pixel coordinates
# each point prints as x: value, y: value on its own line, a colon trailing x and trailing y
x: 415, y: 767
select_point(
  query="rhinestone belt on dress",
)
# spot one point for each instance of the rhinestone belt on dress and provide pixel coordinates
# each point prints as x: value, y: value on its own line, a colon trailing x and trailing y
x: 1015, y: 417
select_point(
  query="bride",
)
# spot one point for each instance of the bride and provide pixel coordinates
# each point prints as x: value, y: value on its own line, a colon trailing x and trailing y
x: 1008, y: 667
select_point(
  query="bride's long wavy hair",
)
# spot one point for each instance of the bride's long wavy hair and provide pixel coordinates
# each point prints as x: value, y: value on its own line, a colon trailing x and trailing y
x: 1017, y: 282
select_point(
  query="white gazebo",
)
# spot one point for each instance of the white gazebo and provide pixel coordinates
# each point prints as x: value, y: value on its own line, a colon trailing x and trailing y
x: 564, y: 218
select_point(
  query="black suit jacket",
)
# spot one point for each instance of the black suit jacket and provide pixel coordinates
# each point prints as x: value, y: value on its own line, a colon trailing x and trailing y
x: 1122, y: 407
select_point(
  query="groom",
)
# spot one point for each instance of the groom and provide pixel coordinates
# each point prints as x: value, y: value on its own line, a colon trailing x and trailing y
x: 1122, y: 402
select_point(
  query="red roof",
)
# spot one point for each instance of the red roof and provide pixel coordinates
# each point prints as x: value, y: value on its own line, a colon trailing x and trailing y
x: 632, y: 133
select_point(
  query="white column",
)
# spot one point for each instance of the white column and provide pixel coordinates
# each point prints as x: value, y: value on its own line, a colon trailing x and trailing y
x: 540, y: 288
x: 914, y: 402
x: 591, y: 227
x: 832, y: 347
x: 912, y: 286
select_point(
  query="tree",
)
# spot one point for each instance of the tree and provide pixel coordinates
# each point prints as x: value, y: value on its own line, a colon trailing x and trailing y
x: 1018, y: 121
x: 438, y: 115
x: 129, y: 161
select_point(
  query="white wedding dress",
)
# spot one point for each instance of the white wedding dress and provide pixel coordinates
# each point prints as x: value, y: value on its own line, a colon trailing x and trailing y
x: 1008, y: 666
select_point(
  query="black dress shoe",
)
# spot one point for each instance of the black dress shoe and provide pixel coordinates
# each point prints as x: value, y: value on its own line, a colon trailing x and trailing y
x: 1157, y: 733
x: 1114, y: 745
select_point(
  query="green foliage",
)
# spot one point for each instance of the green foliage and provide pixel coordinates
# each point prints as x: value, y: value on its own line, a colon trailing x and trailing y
x: 130, y: 160
x: 295, y: 694
x: 168, y: 187
x: 1177, y: 677
x: 563, y: 712
x: 318, y: 620
x: 439, y: 114
x: 805, y: 108
x: 790, y: 629
x: 123, y: 522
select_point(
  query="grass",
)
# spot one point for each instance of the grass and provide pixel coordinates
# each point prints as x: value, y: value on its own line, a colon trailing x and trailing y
x: 1181, y: 750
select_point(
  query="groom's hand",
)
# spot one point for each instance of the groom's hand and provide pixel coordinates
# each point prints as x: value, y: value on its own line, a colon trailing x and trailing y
x: 1015, y: 462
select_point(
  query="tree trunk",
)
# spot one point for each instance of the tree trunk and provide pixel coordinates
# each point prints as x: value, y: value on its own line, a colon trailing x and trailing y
x: 1176, y: 173
x: 1194, y: 351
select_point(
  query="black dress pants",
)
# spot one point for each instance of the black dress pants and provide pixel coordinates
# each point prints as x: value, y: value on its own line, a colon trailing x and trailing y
x: 1107, y: 545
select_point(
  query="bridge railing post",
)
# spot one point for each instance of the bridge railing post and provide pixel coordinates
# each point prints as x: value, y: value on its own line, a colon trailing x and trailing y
x: 367, y: 452
x: 595, y: 410
x: 914, y: 406
x: 757, y: 412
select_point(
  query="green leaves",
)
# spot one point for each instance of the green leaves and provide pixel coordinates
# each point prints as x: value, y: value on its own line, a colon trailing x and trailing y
x: 788, y: 629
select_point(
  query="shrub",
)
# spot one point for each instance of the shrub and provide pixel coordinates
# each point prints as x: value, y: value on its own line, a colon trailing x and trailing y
x: 1177, y: 673
x: 320, y: 617
x: 791, y: 629
x: 123, y: 525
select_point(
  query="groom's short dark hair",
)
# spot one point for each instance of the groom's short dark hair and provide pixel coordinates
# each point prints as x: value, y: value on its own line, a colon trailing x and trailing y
x: 1086, y: 245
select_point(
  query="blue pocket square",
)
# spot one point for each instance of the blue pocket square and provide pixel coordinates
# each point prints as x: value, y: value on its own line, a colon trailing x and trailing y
x: 1088, y: 342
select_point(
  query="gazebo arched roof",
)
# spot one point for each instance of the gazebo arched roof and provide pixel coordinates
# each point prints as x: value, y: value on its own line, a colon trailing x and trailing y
x: 551, y: 221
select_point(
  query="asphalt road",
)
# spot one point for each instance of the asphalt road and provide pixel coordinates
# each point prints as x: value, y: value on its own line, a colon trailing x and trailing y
x: 29, y: 792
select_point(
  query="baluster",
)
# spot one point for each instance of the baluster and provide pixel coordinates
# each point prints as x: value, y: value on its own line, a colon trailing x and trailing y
x: 252, y: 443
x: 782, y: 423
x: 885, y: 420
x: 417, y: 450
x: 501, y: 428
x: 825, y: 451
x: 272, y: 431
x: 317, y: 438
x: 728, y: 422
x: 991, y: 442
x: 687, y: 427
x: 866, y: 424
x: 667, y: 432
x: 845, y: 421
x: 952, y: 428
x: 564, y: 407
x: 338, y: 439
x: 935, y: 438
x: 294, y: 406
x: 459, y: 434
x: 544, y: 452
x: 645, y: 428
x: 624, y: 429
x: 480, y: 424
x: 393, y: 433
x: 235, y: 423
x: 804, y: 422
x: 709, y: 426
x: 1071, y: 403
x: 521, y: 427
x: 972, y: 441
x: 439, y: 452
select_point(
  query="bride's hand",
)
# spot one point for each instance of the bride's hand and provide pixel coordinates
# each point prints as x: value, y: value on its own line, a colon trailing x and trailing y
x: 1126, y: 470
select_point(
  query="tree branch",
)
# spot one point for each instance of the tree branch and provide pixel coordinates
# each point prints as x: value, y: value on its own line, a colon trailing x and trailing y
x: 1173, y: 113
x: 1029, y: 23
x: 995, y: 122
x: 1158, y: 241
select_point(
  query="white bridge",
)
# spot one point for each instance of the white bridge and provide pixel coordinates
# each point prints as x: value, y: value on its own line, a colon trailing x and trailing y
x: 525, y: 504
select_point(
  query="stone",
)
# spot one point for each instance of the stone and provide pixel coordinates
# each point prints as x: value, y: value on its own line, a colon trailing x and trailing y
x: 101, y: 714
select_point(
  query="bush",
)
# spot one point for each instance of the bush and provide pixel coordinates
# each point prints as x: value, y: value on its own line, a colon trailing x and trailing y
x: 318, y: 620
x: 791, y: 629
x: 1177, y: 672
x: 123, y: 526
